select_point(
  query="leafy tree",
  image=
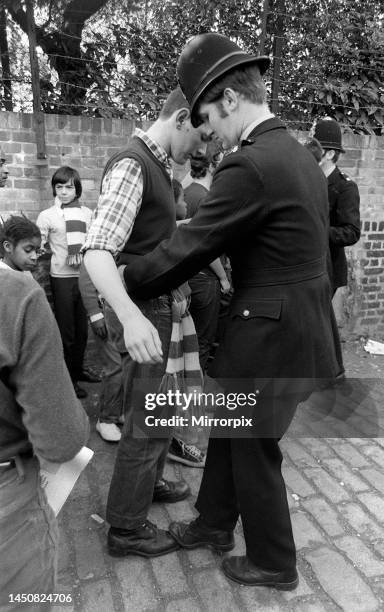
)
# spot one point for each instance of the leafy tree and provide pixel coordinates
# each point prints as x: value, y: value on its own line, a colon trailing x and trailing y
x: 334, y: 63
x: 59, y: 30
x: 117, y: 57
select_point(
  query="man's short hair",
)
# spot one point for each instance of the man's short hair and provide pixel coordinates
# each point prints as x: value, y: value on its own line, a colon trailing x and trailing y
x: 245, y: 80
x: 175, y: 101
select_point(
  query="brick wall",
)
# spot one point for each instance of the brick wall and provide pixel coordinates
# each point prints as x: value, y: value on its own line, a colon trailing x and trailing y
x: 86, y: 144
x: 81, y: 142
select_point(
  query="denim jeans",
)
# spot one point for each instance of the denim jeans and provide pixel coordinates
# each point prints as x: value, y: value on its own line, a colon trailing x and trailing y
x: 111, y: 393
x: 205, y: 308
x: 28, y: 538
x: 139, y: 461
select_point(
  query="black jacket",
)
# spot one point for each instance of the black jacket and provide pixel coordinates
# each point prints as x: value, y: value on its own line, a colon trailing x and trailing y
x: 268, y: 210
x: 344, y: 221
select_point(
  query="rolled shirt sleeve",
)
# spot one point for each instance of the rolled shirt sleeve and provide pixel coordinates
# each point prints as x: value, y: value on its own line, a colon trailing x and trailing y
x: 118, y: 205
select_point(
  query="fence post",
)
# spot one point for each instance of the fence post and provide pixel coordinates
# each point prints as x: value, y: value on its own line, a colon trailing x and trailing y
x: 4, y: 53
x: 264, y: 18
x: 38, y: 115
x: 277, y: 52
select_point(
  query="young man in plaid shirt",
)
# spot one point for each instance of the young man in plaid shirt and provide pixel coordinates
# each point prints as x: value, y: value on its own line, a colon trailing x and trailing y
x: 136, y: 211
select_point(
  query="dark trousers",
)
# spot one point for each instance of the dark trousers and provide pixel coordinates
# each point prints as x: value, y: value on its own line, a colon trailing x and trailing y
x: 139, y: 461
x: 243, y: 476
x: 72, y: 322
x: 205, y: 308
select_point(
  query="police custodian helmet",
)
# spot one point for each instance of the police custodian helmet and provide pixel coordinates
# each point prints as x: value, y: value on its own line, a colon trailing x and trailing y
x: 207, y: 57
x: 328, y: 133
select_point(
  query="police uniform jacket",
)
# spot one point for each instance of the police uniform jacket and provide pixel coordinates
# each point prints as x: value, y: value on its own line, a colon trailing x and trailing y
x: 344, y: 221
x: 268, y: 210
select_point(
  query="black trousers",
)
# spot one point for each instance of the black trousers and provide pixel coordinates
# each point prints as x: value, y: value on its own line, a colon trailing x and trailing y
x: 72, y: 321
x: 205, y: 309
x: 243, y: 476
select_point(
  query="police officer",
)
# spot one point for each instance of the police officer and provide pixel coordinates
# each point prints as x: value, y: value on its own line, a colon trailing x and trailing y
x: 344, y: 200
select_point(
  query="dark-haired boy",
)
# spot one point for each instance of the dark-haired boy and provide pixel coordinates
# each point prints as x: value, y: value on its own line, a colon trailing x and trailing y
x: 64, y: 227
x: 136, y: 210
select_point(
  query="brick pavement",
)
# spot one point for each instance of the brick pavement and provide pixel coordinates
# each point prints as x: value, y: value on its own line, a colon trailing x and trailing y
x: 336, y: 496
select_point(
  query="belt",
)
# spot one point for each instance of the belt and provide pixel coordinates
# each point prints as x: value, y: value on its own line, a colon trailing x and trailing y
x: 283, y: 276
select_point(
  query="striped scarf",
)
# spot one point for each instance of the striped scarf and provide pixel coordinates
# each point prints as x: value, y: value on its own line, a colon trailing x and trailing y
x: 76, y: 229
x: 183, y: 372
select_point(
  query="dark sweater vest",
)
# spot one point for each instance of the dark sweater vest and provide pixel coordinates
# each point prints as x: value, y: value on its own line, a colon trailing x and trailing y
x: 156, y: 218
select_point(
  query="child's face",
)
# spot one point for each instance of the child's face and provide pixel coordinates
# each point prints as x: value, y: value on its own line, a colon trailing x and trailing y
x: 66, y: 192
x: 181, y: 207
x: 22, y: 256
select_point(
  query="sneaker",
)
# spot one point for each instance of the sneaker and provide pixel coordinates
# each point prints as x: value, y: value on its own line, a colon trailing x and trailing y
x: 108, y: 431
x: 188, y: 454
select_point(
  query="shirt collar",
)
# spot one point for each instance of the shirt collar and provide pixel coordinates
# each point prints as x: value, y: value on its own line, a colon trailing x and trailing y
x: 249, y: 129
x: 156, y: 149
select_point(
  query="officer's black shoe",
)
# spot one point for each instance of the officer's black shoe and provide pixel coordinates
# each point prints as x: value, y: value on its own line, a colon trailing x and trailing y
x: 196, y: 533
x: 169, y: 492
x: 145, y: 541
x: 243, y: 571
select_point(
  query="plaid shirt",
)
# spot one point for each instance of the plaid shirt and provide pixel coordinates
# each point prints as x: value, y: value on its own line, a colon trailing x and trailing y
x: 120, y: 201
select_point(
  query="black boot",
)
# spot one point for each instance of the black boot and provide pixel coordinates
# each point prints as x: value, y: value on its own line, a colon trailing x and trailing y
x: 146, y: 541
x: 243, y: 571
x: 169, y: 492
x: 197, y: 533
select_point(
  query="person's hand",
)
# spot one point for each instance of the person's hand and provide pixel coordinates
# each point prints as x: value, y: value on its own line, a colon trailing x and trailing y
x: 225, y: 286
x: 99, y: 328
x: 142, y: 339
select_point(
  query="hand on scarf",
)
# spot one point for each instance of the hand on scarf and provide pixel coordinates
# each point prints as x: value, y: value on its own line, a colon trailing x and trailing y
x: 142, y: 339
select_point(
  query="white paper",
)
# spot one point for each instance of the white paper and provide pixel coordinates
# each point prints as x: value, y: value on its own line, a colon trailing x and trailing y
x: 58, y: 479
x: 374, y: 347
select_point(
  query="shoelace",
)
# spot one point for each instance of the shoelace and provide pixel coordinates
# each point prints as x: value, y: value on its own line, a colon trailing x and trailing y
x: 192, y: 450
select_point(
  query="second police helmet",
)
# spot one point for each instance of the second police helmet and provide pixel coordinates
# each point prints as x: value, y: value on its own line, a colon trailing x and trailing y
x: 328, y: 133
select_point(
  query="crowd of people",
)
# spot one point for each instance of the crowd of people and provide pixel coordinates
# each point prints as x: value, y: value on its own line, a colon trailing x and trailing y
x: 264, y: 224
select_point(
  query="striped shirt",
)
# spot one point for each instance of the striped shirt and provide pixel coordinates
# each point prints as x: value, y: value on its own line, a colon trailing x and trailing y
x: 120, y: 200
